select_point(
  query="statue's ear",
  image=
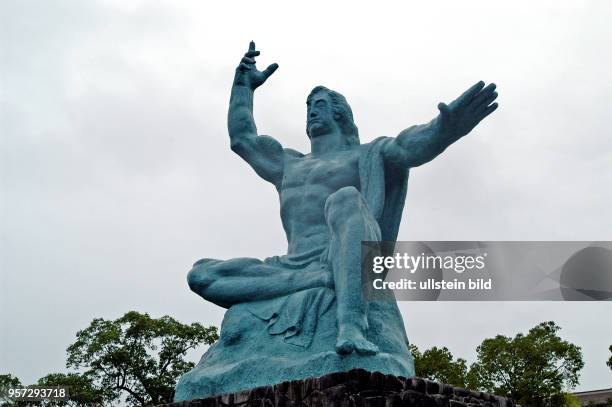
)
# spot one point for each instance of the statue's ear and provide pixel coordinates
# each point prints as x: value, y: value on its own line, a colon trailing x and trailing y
x: 337, y: 117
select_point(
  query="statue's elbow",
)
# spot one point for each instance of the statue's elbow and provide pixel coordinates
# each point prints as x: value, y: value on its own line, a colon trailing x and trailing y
x: 237, y: 144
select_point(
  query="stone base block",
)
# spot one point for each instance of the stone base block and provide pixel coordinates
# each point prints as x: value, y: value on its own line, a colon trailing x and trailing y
x: 358, y: 388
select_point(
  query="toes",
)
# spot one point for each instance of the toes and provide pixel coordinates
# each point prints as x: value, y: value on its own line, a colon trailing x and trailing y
x: 363, y: 347
x: 344, y: 347
x: 366, y: 348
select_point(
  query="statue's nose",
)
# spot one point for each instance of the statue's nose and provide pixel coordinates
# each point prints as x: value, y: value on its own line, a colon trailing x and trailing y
x: 313, y: 113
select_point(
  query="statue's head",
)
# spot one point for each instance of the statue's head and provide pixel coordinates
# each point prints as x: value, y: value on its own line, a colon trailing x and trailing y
x: 324, y: 106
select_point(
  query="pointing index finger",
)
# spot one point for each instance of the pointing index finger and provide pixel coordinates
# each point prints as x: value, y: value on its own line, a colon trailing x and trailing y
x: 251, y: 52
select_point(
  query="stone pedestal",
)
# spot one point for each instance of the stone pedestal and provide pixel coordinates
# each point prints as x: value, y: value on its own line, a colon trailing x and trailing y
x: 358, y: 388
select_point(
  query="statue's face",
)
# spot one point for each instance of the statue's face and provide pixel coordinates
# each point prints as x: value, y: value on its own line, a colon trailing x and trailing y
x: 320, y: 117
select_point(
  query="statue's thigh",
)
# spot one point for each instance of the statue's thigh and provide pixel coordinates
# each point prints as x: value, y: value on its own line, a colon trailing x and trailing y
x: 226, y: 268
x: 346, y: 208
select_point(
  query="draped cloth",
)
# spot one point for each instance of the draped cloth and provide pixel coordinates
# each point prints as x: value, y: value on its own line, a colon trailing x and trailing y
x: 295, y: 315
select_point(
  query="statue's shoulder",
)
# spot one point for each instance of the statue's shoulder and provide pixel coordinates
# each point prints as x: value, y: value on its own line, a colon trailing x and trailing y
x: 269, y: 143
x: 293, y: 153
x: 381, y: 139
x: 377, y: 141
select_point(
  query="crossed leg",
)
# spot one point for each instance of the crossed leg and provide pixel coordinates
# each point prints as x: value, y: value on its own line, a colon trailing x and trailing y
x: 229, y: 282
x: 350, y: 221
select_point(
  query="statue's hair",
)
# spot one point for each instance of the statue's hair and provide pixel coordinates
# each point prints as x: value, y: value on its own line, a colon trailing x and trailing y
x: 343, y: 115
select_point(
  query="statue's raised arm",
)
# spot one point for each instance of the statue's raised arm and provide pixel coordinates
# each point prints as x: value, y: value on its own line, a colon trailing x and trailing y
x: 420, y: 144
x: 263, y: 153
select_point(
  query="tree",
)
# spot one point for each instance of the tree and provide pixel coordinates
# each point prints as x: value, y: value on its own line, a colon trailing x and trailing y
x: 82, y: 391
x: 137, y: 355
x: 533, y: 369
x: 439, y: 364
x: 609, y: 362
x: 7, y: 381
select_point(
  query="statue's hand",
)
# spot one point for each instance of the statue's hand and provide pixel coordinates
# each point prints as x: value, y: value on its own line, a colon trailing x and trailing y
x: 463, y: 114
x: 247, y: 74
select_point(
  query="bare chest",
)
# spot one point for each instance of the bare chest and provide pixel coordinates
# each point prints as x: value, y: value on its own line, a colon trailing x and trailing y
x: 331, y: 171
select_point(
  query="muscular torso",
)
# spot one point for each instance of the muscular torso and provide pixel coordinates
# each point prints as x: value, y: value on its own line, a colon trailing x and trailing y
x: 307, y: 183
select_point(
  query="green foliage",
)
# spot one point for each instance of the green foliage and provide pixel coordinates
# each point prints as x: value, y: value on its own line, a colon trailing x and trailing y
x: 135, y: 354
x: 569, y: 400
x: 82, y: 391
x: 439, y: 364
x: 7, y: 381
x: 533, y: 369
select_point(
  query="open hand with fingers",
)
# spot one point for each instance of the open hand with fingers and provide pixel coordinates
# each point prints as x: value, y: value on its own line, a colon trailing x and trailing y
x: 463, y: 114
x: 247, y: 73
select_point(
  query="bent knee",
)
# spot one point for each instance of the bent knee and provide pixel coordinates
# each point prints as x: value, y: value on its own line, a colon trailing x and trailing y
x: 201, y: 274
x: 343, y: 203
x: 343, y: 197
x: 194, y: 278
x: 204, y: 261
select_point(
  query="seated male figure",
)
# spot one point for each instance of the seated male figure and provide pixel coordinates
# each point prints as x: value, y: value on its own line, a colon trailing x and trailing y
x: 326, y: 202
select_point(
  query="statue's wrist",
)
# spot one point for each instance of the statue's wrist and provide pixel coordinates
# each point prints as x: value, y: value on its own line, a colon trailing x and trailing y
x: 444, y: 131
x: 444, y: 135
x: 241, y: 81
x: 241, y: 94
x: 247, y: 90
x: 242, y: 86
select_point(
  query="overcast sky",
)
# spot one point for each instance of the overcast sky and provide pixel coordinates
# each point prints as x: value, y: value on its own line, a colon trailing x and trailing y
x: 117, y: 174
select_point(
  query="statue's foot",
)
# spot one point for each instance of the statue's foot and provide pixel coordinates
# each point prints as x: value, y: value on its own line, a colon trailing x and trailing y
x: 352, y: 339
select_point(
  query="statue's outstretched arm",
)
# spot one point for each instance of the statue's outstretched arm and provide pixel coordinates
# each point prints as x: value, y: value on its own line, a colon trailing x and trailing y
x: 420, y: 144
x: 263, y: 153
